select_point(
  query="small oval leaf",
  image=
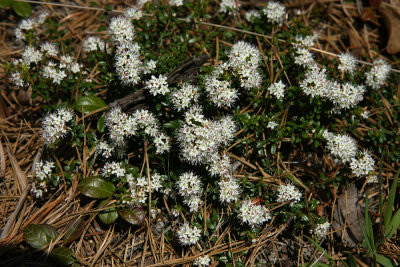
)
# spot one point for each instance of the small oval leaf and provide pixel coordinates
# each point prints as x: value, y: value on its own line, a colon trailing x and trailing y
x: 39, y: 235
x: 95, y: 187
x: 22, y: 9
x: 100, y: 125
x: 89, y: 103
x: 74, y: 230
x: 108, y: 216
x: 62, y: 256
x: 134, y: 215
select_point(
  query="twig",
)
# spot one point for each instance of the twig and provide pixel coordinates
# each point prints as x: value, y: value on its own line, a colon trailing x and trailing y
x: 14, y: 215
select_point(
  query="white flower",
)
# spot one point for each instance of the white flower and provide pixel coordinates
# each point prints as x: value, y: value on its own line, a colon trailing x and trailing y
x: 93, y: 43
x: 315, y: 82
x: 128, y: 64
x: 17, y: 80
x: 189, y: 184
x: 289, y: 193
x: 377, y: 76
x: 365, y: 114
x: 50, y: 49
x: 272, y: 125
x: 121, y: 30
x: 347, y: 63
x: 133, y: 13
x: 342, y: 147
x: 229, y: 6
x: 305, y: 42
x: 112, y: 168
x: 30, y: 55
x: 363, y: 164
x: 345, y: 95
x: 188, y: 235
x: 105, y: 149
x: 371, y: 179
x: 54, y: 125
x: 156, y: 182
x: 275, y: 12
x: 149, y: 66
x: 202, y: 261
x: 120, y: 125
x: 277, y: 89
x: 161, y: 142
x: 321, y: 230
x: 158, y: 85
x: 229, y: 190
x: 252, y: 14
x: 252, y: 214
x: 185, y: 96
x: 24, y: 25
x: 175, y: 2
x: 304, y: 57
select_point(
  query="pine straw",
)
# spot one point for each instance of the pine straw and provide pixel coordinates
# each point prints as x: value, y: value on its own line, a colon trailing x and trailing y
x: 121, y: 244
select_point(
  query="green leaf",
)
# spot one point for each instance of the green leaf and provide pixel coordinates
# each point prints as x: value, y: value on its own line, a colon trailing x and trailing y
x: 108, y: 216
x: 62, y: 256
x: 383, y: 260
x: 22, y: 9
x: 352, y: 261
x: 5, y: 3
x: 74, y: 231
x: 100, y: 125
x: 39, y: 235
x: 390, y: 202
x: 89, y: 104
x: 394, y: 225
x: 95, y: 187
x: 134, y: 215
x: 368, y: 228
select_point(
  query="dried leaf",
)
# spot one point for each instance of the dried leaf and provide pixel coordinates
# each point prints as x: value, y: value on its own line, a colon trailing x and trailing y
x: 391, y: 18
x: 74, y: 231
x: 348, y: 204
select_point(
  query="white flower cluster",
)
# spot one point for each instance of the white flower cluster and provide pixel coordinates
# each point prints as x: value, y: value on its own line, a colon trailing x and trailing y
x: 272, y: 125
x: 188, y: 235
x: 128, y: 64
x: 304, y: 57
x: 200, y: 138
x: 316, y: 83
x: 17, y: 79
x: 43, y: 173
x: 50, y: 71
x: 149, y: 66
x: 138, y: 189
x: 347, y: 63
x: 54, y: 125
x: 277, y: 89
x: 305, y: 41
x: 202, y: 261
x: 321, y: 230
x: 363, y: 164
x: 94, y: 43
x: 158, y: 85
x: 230, y: 6
x: 275, y: 12
x: 252, y: 214
x: 67, y: 63
x: 219, y: 91
x: 341, y: 146
x: 289, y: 193
x: 31, y: 55
x: 175, y: 2
x: 377, y: 76
x: 113, y: 168
x: 189, y: 187
x: 133, y: 13
x: 219, y: 165
x: 50, y: 49
x: 121, y: 30
x: 244, y: 60
x: 229, y: 190
x: 252, y: 14
x: 122, y: 125
x: 185, y: 96
x: 105, y: 149
x: 29, y: 24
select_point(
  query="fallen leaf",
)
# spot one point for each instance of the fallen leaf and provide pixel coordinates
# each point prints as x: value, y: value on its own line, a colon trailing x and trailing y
x: 348, y: 210
x: 391, y: 18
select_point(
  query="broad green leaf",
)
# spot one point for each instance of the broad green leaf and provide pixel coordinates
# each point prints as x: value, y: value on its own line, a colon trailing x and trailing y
x: 390, y: 202
x: 95, y: 187
x: 108, y: 216
x: 394, y: 225
x: 39, y: 235
x: 22, y: 9
x: 134, y: 215
x: 62, y: 256
x: 383, y: 260
x: 89, y: 104
x: 5, y: 3
x: 74, y: 231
